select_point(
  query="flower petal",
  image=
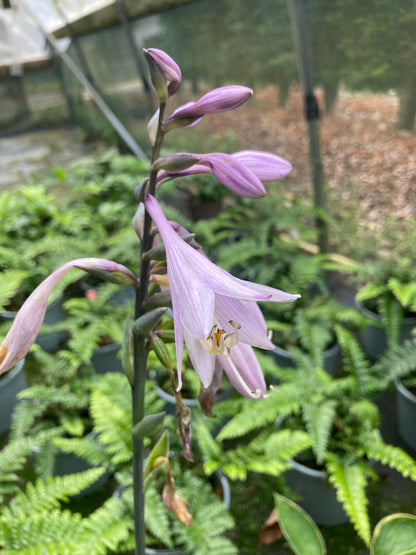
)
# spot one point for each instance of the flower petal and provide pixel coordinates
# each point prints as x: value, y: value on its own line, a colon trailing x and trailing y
x: 29, y: 318
x: 266, y: 166
x: 216, y: 101
x: 234, y: 175
x: 253, y: 330
x: 202, y: 361
x: 244, y: 371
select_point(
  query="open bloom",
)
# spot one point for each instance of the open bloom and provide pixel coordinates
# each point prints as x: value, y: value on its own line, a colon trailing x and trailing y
x: 30, y: 317
x: 242, y: 172
x: 213, y: 311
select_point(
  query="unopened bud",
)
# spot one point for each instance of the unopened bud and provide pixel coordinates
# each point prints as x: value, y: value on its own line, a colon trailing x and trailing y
x: 158, y: 78
x: 146, y: 322
x: 161, y: 351
x: 175, y: 162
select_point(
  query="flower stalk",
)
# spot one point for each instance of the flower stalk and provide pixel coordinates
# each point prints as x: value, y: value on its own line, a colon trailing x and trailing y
x: 140, y: 355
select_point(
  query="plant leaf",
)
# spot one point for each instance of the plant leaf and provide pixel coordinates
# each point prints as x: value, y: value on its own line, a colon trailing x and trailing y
x: 298, y: 528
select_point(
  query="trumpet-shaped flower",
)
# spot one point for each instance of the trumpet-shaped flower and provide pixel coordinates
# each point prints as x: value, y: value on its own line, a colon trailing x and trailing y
x: 213, y: 311
x: 30, y: 317
x: 242, y: 172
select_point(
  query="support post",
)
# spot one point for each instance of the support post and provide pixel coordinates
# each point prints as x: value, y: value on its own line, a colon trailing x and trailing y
x: 303, y: 54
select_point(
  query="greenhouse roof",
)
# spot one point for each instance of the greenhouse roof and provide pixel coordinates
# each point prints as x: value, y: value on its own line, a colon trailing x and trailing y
x: 23, y: 43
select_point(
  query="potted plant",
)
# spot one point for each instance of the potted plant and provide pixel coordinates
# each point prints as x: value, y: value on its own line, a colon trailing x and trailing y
x: 309, y: 328
x: 177, y: 508
x: 388, y: 299
x: 341, y: 423
x: 95, y: 324
x: 398, y: 366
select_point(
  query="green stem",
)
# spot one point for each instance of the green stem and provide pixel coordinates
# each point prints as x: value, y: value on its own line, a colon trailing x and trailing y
x: 140, y: 361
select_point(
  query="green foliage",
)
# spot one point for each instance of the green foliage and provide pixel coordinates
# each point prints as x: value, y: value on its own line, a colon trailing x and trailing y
x: 97, y: 321
x: 395, y: 534
x: 329, y: 420
x: 298, y: 528
x: 350, y: 480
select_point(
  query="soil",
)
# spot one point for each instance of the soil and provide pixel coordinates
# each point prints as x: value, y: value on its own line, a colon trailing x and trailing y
x: 367, y: 161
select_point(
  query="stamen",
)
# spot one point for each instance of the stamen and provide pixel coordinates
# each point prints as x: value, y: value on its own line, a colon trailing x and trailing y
x: 3, y: 352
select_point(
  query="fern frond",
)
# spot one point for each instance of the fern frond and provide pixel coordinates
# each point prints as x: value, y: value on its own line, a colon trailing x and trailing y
x: 88, y: 448
x: 156, y: 517
x: 37, y: 533
x: 369, y: 291
x: 115, y: 431
x: 349, y: 480
x: 286, y: 444
x: 405, y: 293
x: 355, y: 361
x: 283, y: 400
x: 390, y: 455
x: 104, y: 529
x: 318, y: 420
x: 210, y: 520
x: 44, y: 495
x: 391, y: 313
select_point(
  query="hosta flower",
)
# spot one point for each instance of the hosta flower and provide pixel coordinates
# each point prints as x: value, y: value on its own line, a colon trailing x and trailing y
x: 168, y: 66
x: 242, y: 172
x: 216, y: 101
x: 213, y: 311
x: 30, y: 317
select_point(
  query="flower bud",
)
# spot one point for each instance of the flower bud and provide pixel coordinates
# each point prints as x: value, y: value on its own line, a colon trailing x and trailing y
x: 169, y: 68
x: 146, y: 322
x: 158, y: 78
x: 161, y: 351
x: 175, y: 162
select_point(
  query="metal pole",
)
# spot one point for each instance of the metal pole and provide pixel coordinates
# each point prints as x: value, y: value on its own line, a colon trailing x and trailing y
x: 108, y: 113
x: 300, y: 35
x: 135, y: 51
x: 74, y: 39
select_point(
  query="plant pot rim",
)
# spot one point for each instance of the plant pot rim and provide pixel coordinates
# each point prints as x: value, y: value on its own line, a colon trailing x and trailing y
x: 9, y: 376
x: 405, y: 392
x: 374, y: 316
x: 284, y: 353
x: 306, y: 470
x: 11, y: 314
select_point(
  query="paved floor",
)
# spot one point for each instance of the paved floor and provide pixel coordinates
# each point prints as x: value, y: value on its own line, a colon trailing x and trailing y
x: 28, y: 154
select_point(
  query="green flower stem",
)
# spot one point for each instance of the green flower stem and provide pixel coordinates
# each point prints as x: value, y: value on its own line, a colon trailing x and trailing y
x: 140, y: 361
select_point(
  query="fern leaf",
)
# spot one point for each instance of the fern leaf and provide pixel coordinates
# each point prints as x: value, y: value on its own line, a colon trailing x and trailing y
x: 156, y: 517
x: 209, y: 447
x: 37, y: 533
x: 88, y: 448
x: 318, y: 421
x: 370, y: 291
x: 286, y: 444
x: 405, y: 293
x: 104, y: 529
x: 282, y: 401
x: 114, y: 432
x: 392, y: 456
x: 350, y: 481
x: 44, y: 495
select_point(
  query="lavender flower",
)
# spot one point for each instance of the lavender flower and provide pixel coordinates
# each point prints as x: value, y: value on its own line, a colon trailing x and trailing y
x: 216, y: 101
x: 168, y: 66
x: 30, y: 317
x: 242, y: 172
x: 213, y: 311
